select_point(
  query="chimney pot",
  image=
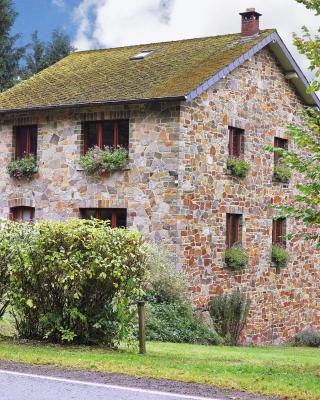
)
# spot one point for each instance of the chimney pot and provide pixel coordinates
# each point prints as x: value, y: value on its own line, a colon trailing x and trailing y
x: 250, y: 22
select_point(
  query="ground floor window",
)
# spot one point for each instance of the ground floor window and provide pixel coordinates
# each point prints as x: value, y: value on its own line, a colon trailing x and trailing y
x: 116, y: 216
x: 22, y: 213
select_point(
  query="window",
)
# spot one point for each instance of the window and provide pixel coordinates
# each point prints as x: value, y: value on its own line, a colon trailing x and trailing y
x: 279, y: 232
x: 116, y: 216
x: 25, y: 141
x: 233, y: 229
x: 236, y: 142
x: 22, y: 213
x: 282, y: 144
x: 142, y: 54
x: 106, y: 133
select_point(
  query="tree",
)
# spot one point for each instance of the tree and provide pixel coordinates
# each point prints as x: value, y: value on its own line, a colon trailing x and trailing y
x: 41, y: 55
x: 10, y: 55
x: 306, y: 137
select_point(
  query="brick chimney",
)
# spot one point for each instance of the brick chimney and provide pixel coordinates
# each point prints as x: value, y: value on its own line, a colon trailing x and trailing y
x: 250, y: 22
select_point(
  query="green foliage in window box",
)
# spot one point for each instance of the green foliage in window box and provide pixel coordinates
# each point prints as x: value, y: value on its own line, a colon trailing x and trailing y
x: 238, y: 167
x: 73, y: 281
x: 99, y: 161
x: 236, y: 258
x: 280, y: 256
x: 229, y: 314
x: 25, y: 167
x: 282, y: 173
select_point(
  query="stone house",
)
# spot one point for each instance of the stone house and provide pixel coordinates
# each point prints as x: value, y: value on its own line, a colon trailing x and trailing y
x: 182, y: 108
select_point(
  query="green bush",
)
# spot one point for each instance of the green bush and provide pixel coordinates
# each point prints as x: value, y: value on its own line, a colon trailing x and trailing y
x: 25, y: 167
x: 280, y: 256
x: 74, y: 281
x: 282, y: 173
x: 236, y: 258
x: 165, y: 283
x: 229, y: 314
x: 175, y: 322
x: 99, y: 161
x: 307, y: 338
x: 238, y: 167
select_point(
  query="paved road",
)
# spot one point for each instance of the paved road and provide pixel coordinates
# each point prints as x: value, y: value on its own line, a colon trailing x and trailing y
x: 22, y: 386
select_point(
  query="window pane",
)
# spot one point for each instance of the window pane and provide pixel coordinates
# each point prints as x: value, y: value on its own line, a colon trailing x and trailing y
x: 106, y: 214
x: 92, y: 135
x: 121, y: 218
x: 21, y: 142
x: 108, y: 133
x: 88, y: 213
x: 123, y: 133
x: 26, y: 215
x: 33, y: 140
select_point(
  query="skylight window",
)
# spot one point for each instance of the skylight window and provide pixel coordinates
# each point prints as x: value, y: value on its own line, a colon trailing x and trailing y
x: 142, y: 54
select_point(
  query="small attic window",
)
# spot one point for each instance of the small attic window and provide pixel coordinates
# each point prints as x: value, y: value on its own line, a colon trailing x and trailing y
x: 142, y: 54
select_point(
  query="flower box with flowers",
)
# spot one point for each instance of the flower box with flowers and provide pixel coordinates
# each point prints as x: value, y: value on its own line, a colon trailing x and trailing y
x: 25, y: 167
x: 99, y: 161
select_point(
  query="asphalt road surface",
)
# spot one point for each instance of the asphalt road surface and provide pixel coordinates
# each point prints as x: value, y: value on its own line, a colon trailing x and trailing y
x: 23, y: 386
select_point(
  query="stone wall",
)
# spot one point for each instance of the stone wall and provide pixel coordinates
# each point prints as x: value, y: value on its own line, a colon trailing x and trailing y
x: 257, y: 98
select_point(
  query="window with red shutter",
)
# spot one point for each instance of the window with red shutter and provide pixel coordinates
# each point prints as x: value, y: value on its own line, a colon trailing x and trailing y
x: 280, y: 144
x: 116, y: 216
x: 279, y: 232
x: 236, y: 139
x: 24, y: 214
x: 106, y: 133
x: 25, y: 141
x: 233, y: 235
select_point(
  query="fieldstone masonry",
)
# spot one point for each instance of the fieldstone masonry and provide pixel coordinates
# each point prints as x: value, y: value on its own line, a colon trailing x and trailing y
x: 177, y: 189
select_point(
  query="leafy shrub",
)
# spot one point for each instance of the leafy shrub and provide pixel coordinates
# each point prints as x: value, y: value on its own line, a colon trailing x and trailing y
x: 169, y: 316
x: 175, y: 322
x: 307, y: 338
x: 280, y: 256
x: 282, y: 173
x: 165, y: 283
x: 74, y: 281
x: 99, y: 161
x: 238, y: 167
x: 25, y: 167
x: 236, y: 258
x: 229, y: 314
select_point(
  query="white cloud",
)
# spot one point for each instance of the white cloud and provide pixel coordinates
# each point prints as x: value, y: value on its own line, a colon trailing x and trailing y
x: 110, y: 23
x: 58, y: 3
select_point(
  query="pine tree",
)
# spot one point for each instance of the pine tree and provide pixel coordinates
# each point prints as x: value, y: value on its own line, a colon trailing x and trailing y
x: 10, y: 55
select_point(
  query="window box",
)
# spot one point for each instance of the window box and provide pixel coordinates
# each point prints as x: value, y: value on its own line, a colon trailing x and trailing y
x: 238, y: 168
x: 236, y: 258
x: 280, y: 256
x: 100, y: 161
x: 23, y: 168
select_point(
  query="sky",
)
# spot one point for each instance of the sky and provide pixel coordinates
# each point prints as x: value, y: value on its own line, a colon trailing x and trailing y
x: 109, y: 23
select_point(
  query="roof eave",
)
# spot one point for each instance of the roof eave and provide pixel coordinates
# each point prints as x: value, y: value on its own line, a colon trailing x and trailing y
x: 281, y: 52
x: 93, y: 104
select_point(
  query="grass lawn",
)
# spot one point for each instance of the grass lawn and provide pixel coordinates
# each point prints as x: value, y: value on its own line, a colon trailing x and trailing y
x: 287, y: 372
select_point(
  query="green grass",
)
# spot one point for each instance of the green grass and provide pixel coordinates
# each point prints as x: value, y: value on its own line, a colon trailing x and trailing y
x: 288, y: 372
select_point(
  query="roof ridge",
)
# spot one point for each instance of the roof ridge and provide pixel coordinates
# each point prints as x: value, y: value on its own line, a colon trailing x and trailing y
x: 172, y: 41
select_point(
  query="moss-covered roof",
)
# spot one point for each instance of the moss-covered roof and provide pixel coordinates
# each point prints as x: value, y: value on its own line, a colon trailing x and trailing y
x: 174, y: 69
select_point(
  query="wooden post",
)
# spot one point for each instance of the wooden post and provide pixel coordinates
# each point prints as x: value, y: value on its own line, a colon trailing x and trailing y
x: 142, y: 333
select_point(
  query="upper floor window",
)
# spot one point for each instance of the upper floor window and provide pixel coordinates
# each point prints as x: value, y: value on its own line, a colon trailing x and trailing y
x: 279, y: 232
x: 116, y: 216
x: 282, y: 144
x: 106, y: 133
x: 25, y: 141
x: 234, y: 222
x: 22, y: 214
x: 236, y: 142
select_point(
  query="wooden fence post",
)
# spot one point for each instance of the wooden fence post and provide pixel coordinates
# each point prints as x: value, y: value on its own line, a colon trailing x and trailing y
x: 142, y: 333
